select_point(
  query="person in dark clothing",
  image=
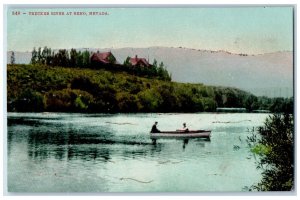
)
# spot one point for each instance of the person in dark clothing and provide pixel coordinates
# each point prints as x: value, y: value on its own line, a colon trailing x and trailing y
x: 154, y: 128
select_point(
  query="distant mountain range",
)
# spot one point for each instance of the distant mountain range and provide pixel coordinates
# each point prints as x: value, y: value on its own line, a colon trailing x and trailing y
x: 268, y: 74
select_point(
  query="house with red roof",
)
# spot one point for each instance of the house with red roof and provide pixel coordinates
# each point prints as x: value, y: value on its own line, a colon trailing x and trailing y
x: 104, y: 58
x: 142, y: 62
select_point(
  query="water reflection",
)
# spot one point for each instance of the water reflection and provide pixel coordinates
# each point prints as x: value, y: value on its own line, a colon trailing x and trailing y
x: 185, y: 142
x: 43, y: 146
x: 83, y: 149
x: 68, y: 143
x: 32, y: 121
x: 92, y: 153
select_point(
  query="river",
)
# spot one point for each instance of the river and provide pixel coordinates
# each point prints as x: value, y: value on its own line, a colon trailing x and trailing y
x: 61, y: 152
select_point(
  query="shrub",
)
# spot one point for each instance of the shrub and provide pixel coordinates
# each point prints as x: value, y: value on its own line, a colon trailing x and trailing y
x: 30, y: 101
x: 68, y: 100
x: 274, y: 144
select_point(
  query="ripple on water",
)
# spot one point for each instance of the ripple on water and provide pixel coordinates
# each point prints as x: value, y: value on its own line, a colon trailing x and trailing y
x: 103, y: 152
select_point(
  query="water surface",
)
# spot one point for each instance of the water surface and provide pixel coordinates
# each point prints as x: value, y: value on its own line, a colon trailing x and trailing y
x: 58, y: 152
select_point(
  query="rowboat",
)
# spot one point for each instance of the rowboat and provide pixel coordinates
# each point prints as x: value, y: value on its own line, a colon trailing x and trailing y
x: 181, y: 134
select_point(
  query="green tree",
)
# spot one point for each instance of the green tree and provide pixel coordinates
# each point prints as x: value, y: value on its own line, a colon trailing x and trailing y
x: 68, y: 100
x: 150, y: 100
x: 61, y: 58
x: 170, y: 102
x: 127, y: 102
x: 73, y: 58
x: 79, y: 59
x: 30, y: 101
x: 39, y: 56
x: 48, y: 56
x: 126, y: 62
x: 154, y: 63
x: 160, y: 69
x: 274, y: 144
x: 231, y: 99
x: 251, y: 103
x: 34, y: 56
x: 209, y: 104
x: 45, y: 57
x: 219, y: 98
x: 86, y: 58
x: 111, y: 59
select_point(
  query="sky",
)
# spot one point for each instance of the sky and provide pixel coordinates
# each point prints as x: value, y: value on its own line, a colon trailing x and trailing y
x: 251, y: 30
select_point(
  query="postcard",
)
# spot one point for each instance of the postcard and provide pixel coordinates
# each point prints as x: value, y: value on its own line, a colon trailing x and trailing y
x: 137, y: 99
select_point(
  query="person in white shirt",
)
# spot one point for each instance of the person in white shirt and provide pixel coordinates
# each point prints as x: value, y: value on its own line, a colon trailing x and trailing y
x: 185, y: 129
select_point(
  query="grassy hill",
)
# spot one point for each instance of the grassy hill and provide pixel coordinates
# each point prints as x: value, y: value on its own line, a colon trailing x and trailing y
x: 36, y: 88
x: 269, y: 74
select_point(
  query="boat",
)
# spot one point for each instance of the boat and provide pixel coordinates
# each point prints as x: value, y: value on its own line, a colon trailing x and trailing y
x: 181, y: 134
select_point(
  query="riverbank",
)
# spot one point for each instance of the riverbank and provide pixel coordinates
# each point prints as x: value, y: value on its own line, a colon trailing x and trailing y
x: 39, y: 88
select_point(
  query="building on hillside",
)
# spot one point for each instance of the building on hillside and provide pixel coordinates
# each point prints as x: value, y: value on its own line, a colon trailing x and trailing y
x: 105, y: 58
x: 142, y: 62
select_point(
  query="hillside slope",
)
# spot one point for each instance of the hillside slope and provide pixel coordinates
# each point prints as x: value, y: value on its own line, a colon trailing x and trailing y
x: 57, y: 89
x: 267, y: 74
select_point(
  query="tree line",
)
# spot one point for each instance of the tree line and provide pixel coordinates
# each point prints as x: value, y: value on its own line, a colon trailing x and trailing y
x: 60, y: 89
x: 81, y: 59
